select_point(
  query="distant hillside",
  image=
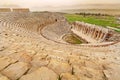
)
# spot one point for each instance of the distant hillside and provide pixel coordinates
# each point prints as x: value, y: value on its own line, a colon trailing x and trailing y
x: 96, y: 6
x: 102, y: 11
x: 112, y: 9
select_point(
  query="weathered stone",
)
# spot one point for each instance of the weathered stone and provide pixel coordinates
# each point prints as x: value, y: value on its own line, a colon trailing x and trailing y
x: 16, y: 70
x: 5, y: 61
x: 68, y: 76
x: 76, y: 61
x: 112, y: 72
x: 2, y: 48
x: 84, y: 29
x: 25, y: 58
x: 93, y: 65
x: 3, y: 77
x: 85, y: 73
x: 21, y: 56
x: 39, y: 60
x: 42, y: 73
x: 60, y: 67
x: 32, y: 69
x: 31, y: 52
x: 9, y: 52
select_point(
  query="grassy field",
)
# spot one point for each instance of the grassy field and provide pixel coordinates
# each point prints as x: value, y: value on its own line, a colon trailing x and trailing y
x: 104, y: 21
x: 97, y: 20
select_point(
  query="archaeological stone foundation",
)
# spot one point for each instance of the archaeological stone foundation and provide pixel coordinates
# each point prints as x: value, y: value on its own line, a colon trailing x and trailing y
x: 91, y: 33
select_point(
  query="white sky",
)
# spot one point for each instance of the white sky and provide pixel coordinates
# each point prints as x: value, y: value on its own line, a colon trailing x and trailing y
x: 51, y: 3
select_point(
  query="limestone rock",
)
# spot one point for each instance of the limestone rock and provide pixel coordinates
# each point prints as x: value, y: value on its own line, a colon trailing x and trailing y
x: 25, y: 58
x: 39, y: 60
x: 32, y: 69
x: 16, y: 70
x: 112, y: 72
x: 42, y: 73
x: 2, y: 48
x: 85, y: 73
x: 21, y: 56
x: 5, y: 61
x: 93, y: 65
x: 3, y: 77
x: 76, y: 61
x: 60, y: 67
x: 68, y: 76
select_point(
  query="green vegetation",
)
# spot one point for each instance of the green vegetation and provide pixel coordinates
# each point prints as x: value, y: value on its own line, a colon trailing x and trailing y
x: 72, y: 39
x: 97, y: 20
x: 116, y: 29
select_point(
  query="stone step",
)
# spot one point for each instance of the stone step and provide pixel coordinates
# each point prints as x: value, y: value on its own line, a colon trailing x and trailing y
x: 15, y: 71
x: 3, y: 77
x: 5, y: 61
x: 42, y: 73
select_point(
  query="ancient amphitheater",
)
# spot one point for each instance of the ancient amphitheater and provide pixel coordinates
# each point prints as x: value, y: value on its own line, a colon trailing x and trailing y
x: 32, y: 48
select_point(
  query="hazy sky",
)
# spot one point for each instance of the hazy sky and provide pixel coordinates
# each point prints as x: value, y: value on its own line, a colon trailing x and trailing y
x: 51, y: 3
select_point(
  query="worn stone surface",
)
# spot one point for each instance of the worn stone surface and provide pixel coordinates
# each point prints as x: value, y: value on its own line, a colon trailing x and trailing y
x: 5, y: 61
x: 60, y: 67
x: 3, y: 77
x: 42, y: 73
x: 68, y: 76
x: 21, y: 56
x: 15, y: 71
x: 40, y: 60
x: 85, y: 73
x: 112, y: 72
x: 93, y: 65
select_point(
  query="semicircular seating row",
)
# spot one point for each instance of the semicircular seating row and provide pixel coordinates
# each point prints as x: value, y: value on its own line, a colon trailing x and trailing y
x: 53, y: 25
x: 30, y: 22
